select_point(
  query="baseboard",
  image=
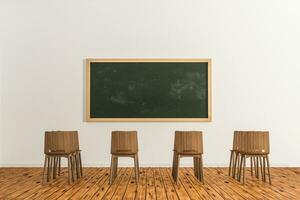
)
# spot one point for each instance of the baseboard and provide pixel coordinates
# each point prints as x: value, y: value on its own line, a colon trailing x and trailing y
x: 130, y: 164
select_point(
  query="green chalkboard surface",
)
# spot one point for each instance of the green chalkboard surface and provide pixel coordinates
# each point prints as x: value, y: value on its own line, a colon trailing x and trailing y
x: 148, y: 90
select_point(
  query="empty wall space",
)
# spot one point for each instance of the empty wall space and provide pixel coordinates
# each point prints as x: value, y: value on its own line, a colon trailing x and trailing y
x: 254, y: 47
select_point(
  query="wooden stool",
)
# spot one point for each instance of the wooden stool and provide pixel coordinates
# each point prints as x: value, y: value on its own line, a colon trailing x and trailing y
x: 254, y: 145
x: 123, y: 144
x: 188, y: 144
x: 60, y: 144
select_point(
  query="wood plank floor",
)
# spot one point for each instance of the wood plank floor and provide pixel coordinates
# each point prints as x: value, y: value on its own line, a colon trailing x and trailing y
x: 155, y: 183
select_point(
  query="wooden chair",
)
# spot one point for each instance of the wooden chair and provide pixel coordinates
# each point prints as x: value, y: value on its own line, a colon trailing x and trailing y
x: 75, y: 142
x: 188, y: 144
x: 123, y: 144
x: 236, y: 146
x: 254, y: 145
x: 60, y: 144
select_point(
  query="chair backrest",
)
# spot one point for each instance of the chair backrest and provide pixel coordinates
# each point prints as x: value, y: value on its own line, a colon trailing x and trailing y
x: 258, y: 142
x: 253, y: 142
x: 61, y: 142
x: 188, y: 142
x: 235, y: 144
x: 75, y: 140
x: 124, y: 142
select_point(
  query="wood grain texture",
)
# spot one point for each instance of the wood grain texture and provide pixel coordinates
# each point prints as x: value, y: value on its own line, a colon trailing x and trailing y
x: 155, y: 183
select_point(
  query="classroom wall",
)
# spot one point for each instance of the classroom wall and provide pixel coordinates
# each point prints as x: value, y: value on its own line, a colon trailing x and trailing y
x: 1, y: 107
x: 254, y: 46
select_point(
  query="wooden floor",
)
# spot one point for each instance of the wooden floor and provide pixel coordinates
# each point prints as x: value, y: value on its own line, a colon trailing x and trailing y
x: 155, y: 183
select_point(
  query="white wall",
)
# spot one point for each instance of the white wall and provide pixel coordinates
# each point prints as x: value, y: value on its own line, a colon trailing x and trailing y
x: 254, y: 45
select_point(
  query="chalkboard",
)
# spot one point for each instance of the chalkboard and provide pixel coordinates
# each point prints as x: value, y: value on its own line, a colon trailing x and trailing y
x: 148, y: 90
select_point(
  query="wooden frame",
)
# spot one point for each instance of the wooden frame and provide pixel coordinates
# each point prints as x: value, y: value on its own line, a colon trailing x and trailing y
x: 87, y: 93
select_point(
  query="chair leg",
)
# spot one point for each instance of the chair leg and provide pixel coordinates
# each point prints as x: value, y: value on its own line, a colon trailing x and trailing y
x: 230, y: 163
x: 44, y: 170
x: 138, y: 165
x: 240, y: 167
x: 77, y: 165
x: 196, y: 167
x: 173, y: 165
x: 235, y: 165
x: 201, y: 169
x: 136, y: 168
x: 233, y: 162
x: 251, y: 165
x: 111, y: 170
x: 264, y: 167
x: 115, y: 167
x: 176, y: 168
x: 59, y: 165
x: 51, y: 168
x: 54, y: 167
x: 268, y: 166
x: 80, y: 163
x: 74, y: 171
x: 69, y: 170
x: 48, y: 168
x: 261, y: 168
x: 244, y: 169
x: 72, y: 168
x: 257, y: 167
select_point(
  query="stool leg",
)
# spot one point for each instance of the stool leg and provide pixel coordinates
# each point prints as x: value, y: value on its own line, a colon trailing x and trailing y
x: 230, y: 163
x: 268, y: 166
